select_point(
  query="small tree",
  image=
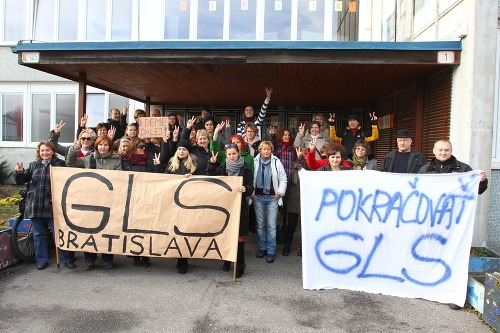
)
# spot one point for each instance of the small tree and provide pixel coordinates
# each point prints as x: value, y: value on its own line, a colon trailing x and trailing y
x: 5, y: 170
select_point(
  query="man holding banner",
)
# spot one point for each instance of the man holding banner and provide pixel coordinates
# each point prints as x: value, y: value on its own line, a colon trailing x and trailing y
x: 445, y: 162
x: 404, y: 159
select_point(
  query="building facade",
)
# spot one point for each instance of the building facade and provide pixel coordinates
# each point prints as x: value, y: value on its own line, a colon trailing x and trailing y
x: 460, y: 102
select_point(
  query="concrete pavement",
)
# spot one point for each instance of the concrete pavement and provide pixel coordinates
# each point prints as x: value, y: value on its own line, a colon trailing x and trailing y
x: 269, y: 298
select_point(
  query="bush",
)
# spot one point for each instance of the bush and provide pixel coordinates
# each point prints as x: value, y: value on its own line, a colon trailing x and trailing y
x: 5, y: 170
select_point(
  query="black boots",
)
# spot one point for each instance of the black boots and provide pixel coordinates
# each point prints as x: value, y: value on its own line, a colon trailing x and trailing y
x: 227, y: 266
x: 182, y: 265
x: 240, y: 260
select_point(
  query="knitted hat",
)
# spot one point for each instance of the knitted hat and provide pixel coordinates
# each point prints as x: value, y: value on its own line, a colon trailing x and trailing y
x: 354, y: 117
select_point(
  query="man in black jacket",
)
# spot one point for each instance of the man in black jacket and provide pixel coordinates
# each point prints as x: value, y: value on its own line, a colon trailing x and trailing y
x: 404, y: 159
x: 445, y: 162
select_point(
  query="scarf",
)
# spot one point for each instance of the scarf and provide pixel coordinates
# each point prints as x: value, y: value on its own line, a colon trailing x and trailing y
x: 359, y: 162
x: 249, y: 119
x: 137, y: 159
x: 286, y: 144
x: 264, y: 175
x: 233, y: 168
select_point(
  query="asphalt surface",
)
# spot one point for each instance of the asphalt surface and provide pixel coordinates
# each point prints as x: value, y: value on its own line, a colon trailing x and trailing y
x: 268, y: 298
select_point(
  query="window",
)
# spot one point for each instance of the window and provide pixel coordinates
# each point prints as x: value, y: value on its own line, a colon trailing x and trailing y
x: 242, y: 19
x: 44, y: 20
x: 96, y: 19
x: 15, y: 20
x: 12, y: 117
x: 210, y: 19
x: 277, y: 20
x: 65, y: 112
x: 68, y: 20
x: 40, y: 117
x: 310, y: 20
x: 95, y: 109
x: 177, y: 19
x: 121, y: 26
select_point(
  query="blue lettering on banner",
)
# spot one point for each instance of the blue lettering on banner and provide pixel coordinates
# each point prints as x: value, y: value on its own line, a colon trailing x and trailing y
x: 415, y: 207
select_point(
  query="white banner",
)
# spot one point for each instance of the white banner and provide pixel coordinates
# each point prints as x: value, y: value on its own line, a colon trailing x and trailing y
x: 404, y: 235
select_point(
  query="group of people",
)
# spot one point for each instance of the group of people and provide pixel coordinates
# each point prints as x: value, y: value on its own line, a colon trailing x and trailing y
x: 269, y: 168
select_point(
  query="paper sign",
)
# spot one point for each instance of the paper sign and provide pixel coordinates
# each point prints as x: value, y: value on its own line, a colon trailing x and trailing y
x: 152, y: 127
x: 338, y: 6
x: 312, y: 6
x: 244, y: 4
x: 352, y: 6
x: 278, y: 5
x: 212, y: 6
x: 183, y: 5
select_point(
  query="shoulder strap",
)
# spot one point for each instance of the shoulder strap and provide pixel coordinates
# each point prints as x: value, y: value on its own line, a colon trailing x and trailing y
x: 92, y: 161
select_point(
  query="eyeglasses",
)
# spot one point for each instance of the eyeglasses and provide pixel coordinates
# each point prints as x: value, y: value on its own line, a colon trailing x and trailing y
x: 360, y: 148
x: 230, y: 145
x: 141, y: 146
x: 85, y: 138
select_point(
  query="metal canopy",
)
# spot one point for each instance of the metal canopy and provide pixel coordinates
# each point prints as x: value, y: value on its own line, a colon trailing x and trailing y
x: 234, y: 73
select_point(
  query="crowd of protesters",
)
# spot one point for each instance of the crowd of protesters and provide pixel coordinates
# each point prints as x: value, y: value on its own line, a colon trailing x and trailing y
x: 270, y: 168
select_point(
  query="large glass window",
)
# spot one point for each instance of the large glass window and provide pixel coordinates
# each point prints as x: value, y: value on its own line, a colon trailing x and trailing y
x: 177, y: 19
x: 68, y: 20
x: 121, y: 26
x: 310, y: 20
x: 12, y: 117
x: 210, y: 19
x: 96, y: 19
x: 425, y: 13
x: 40, y: 117
x: 277, y: 20
x: 65, y: 112
x: 14, y: 20
x: 242, y: 19
x: 95, y: 109
x: 44, y: 20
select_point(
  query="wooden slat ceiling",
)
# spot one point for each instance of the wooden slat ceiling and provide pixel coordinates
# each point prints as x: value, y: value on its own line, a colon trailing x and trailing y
x: 321, y: 78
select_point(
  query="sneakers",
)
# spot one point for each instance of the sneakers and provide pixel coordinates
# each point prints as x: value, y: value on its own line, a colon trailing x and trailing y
x: 261, y: 254
x: 270, y: 258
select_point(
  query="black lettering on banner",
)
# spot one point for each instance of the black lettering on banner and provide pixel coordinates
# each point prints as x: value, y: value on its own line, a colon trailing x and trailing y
x: 126, y: 213
x: 124, y: 247
x: 176, y: 247
x: 86, y: 208
x: 90, y: 242
x: 110, y: 240
x: 133, y: 240
x: 151, y: 253
x: 61, y: 238
x: 220, y: 209
x: 214, y: 248
x: 189, y: 246
x: 71, y: 239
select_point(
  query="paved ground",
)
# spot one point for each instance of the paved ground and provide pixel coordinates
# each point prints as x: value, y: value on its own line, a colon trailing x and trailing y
x: 269, y: 298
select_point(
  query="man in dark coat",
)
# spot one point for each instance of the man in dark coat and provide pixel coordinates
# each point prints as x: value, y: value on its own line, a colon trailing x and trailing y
x: 445, y: 162
x: 404, y: 159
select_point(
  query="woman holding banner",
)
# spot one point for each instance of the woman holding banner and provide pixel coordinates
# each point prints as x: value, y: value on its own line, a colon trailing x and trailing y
x: 103, y: 158
x: 39, y: 201
x: 235, y: 166
x: 182, y: 163
x: 334, y: 158
x: 138, y: 159
x: 361, y: 157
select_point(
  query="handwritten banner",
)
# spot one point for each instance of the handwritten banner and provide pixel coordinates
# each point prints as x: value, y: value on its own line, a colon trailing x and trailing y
x: 152, y: 127
x: 394, y: 234
x: 146, y: 214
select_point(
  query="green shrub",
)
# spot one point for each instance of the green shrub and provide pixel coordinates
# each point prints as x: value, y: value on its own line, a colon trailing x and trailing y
x: 5, y: 170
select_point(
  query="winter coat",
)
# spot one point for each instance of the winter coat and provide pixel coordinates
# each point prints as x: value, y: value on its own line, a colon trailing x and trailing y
x: 278, y: 176
x: 247, y: 174
x: 39, y: 195
x: 109, y: 161
x: 303, y: 141
x: 452, y: 165
x: 347, y: 139
x: 415, y: 161
x: 292, y: 197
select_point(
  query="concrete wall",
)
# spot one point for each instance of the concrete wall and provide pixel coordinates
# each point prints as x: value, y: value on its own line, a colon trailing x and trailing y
x: 10, y: 70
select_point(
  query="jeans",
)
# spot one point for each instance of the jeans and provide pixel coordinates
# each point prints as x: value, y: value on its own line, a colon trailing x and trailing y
x: 266, y: 210
x: 40, y: 226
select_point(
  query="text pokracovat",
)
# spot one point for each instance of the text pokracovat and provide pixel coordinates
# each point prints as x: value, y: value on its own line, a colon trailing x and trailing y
x: 416, y: 207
